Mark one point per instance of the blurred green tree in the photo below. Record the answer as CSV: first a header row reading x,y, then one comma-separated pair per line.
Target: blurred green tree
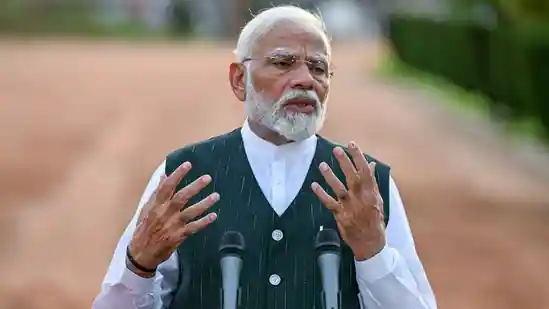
x,y
46,15
511,12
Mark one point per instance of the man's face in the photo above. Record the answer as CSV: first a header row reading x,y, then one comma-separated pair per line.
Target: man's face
x,y
287,81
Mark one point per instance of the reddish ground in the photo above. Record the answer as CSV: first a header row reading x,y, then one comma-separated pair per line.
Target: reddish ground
x,y
84,124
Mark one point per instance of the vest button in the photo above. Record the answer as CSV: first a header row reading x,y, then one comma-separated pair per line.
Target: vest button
x,y
277,235
274,279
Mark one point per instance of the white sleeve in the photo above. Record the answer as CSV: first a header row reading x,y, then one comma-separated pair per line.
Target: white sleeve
x,y
121,288
395,278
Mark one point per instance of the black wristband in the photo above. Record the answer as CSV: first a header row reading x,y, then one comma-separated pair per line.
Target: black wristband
x,y
137,265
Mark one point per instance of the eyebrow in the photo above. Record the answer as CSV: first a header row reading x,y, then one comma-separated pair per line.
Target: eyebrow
x,y
285,53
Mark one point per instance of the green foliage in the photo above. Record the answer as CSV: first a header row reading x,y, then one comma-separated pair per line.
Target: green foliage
x,y
508,65
180,18
80,17
514,11
45,16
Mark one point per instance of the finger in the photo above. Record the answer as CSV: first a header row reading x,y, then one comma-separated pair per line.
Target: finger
x,y
380,207
167,187
162,179
195,226
332,180
371,175
346,166
151,202
374,187
199,208
325,198
359,159
184,195
154,193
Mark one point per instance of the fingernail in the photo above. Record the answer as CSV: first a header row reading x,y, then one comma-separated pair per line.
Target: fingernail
x,y
338,151
206,178
212,216
214,197
315,186
323,167
187,165
352,145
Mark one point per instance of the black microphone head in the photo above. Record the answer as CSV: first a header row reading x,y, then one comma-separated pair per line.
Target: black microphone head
x,y
232,242
327,240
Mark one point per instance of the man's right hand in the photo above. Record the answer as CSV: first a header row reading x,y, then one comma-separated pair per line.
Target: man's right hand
x,y
163,224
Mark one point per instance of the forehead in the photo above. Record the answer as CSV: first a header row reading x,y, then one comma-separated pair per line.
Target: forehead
x,y
290,37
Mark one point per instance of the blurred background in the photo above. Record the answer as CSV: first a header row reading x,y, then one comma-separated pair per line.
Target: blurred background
x,y
454,94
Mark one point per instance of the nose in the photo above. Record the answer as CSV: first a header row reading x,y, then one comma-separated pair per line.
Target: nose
x,y
302,78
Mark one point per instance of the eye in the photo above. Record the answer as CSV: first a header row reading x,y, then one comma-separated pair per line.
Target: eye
x,y
283,63
317,68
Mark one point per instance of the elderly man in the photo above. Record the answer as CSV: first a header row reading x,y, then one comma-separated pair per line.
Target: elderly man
x,y
277,182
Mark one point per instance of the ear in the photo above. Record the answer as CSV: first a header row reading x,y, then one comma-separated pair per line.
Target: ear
x,y
237,80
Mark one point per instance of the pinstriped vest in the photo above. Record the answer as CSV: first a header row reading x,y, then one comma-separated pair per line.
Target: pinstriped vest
x,y
244,208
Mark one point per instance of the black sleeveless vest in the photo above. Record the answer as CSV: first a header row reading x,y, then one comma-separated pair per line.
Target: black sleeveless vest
x,y
244,208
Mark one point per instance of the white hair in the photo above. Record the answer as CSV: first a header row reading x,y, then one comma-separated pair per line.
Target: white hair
x,y
263,22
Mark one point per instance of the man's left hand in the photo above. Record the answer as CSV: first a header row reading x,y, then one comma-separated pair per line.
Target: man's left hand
x,y
357,208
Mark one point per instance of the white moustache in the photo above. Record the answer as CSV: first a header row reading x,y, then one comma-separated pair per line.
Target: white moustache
x,y
298,94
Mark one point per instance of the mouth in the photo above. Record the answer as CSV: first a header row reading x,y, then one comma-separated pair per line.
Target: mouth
x,y
300,105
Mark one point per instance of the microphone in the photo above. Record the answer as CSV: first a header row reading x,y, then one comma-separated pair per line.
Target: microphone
x,y
231,248
328,246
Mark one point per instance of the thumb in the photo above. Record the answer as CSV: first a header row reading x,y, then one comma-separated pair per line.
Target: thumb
x,y
148,204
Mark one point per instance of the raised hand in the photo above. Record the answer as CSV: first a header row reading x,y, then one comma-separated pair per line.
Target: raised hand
x,y
357,207
163,223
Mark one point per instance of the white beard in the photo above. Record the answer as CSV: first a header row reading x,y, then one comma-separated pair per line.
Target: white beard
x,y
294,126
